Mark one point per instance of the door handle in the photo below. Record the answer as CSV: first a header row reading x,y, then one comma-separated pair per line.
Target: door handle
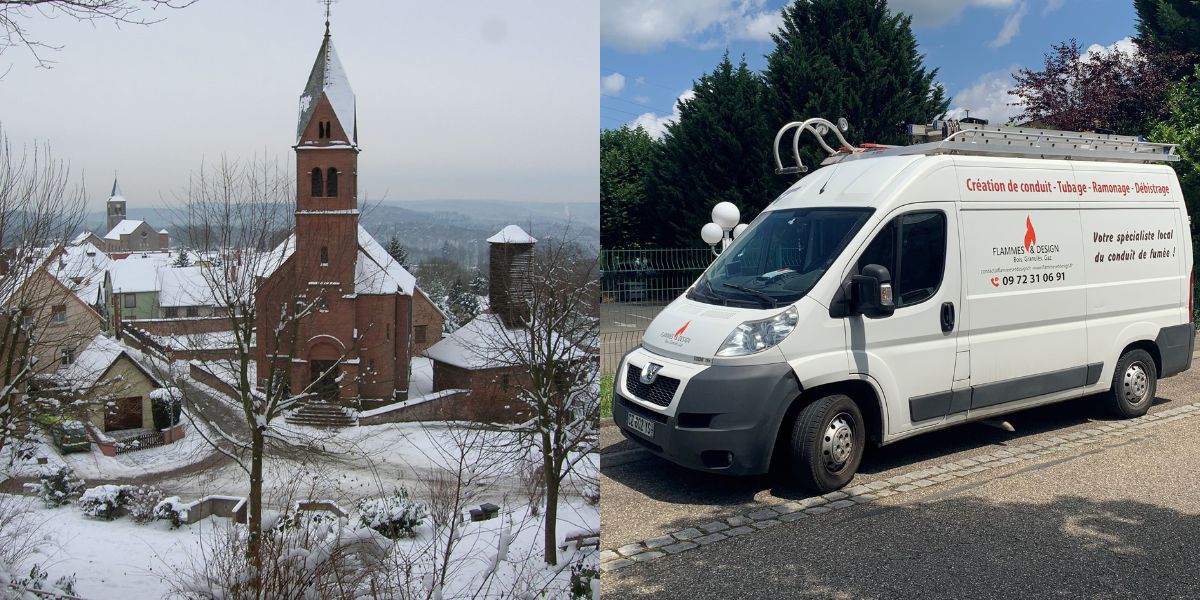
x,y
947,316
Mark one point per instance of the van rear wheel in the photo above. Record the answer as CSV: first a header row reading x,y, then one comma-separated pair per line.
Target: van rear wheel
x,y
1134,384
827,443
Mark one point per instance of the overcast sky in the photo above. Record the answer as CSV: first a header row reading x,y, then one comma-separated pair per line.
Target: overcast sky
x,y
464,99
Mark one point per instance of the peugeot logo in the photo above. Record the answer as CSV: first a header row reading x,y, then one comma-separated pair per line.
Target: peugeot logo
x,y
650,373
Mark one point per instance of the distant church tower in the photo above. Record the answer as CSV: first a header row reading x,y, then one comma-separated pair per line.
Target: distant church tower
x,y
116,206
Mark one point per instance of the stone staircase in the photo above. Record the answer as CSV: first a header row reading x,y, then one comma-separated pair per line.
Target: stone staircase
x,y
321,414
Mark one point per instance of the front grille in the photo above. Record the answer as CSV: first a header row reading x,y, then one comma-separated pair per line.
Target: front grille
x,y
661,392
638,409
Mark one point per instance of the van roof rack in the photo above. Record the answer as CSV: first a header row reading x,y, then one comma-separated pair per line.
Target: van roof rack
x,y
1026,142
980,139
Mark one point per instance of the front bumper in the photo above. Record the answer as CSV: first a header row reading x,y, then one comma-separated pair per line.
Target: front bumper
x,y
722,419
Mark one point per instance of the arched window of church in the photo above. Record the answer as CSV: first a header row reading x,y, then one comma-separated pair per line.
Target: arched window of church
x,y
317,185
324,255
331,183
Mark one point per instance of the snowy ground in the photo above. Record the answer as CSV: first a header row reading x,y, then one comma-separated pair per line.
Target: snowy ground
x,y
114,559
94,465
121,559
420,382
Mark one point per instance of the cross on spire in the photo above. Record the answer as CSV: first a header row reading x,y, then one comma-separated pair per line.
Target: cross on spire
x,y
327,4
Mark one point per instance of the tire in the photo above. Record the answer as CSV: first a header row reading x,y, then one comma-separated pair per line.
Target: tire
x,y
827,443
1134,384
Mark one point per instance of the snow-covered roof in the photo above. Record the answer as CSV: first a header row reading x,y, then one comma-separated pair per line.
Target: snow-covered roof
x,y
92,362
328,78
138,272
485,343
375,271
81,269
185,286
511,234
125,227
474,345
81,238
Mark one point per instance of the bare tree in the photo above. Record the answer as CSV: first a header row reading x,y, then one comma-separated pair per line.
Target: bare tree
x,y
16,14
553,348
39,208
236,212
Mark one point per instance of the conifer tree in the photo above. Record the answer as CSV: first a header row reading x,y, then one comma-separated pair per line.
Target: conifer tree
x,y
1168,26
398,251
464,305
719,150
854,59
479,284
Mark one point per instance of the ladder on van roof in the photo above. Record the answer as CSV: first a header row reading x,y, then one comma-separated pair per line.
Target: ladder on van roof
x,y
956,137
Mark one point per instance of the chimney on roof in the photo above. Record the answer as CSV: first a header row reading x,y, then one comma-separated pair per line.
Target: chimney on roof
x,y
509,285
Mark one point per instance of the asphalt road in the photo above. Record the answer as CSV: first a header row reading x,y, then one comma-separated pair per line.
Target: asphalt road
x,y
1114,519
629,316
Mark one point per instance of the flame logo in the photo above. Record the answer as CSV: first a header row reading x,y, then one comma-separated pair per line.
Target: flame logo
x,y
1030,234
682,329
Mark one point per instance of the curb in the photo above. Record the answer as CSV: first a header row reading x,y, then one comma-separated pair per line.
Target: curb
x,y
612,559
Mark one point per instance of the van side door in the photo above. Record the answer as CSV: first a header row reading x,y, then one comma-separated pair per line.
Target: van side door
x,y
910,354
1025,295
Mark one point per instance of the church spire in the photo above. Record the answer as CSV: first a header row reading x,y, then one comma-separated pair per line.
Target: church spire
x,y
328,80
116,196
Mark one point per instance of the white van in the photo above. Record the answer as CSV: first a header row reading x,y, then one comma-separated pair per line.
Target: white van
x,y
904,290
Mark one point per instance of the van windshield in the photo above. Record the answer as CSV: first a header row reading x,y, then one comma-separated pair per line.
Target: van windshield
x,y
780,257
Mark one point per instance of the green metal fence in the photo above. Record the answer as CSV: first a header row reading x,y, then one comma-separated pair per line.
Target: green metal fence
x,y
635,285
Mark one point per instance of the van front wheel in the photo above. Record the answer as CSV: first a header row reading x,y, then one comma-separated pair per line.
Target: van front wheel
x,y
1134,384
827,443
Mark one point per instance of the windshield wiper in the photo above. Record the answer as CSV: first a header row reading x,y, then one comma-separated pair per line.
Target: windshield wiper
x,y
710,294
770,301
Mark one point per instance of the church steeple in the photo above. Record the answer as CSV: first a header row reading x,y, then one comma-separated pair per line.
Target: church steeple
x,y
327,83
115,206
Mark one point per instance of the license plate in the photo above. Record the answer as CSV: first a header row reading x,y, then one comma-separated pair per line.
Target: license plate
x,y
640,424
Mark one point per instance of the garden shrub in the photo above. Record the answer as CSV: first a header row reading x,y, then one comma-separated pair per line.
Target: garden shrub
x,y
103,501
394,516
170,509
56,486
141,503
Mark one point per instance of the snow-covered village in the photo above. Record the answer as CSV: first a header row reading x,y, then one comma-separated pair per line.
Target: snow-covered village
x,y
246,384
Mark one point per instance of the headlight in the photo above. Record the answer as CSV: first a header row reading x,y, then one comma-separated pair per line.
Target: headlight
x,y
756,336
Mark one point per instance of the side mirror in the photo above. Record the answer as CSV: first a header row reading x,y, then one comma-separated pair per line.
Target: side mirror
x,y
871,292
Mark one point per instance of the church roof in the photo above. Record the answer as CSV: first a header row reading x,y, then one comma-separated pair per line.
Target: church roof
x,y
375,271
125,227
328,78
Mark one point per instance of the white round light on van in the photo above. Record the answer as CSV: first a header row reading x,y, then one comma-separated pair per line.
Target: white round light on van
x,y
711,234
726,215
755,336
739,229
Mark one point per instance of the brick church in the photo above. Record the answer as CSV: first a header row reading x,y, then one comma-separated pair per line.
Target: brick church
x,y
371,317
